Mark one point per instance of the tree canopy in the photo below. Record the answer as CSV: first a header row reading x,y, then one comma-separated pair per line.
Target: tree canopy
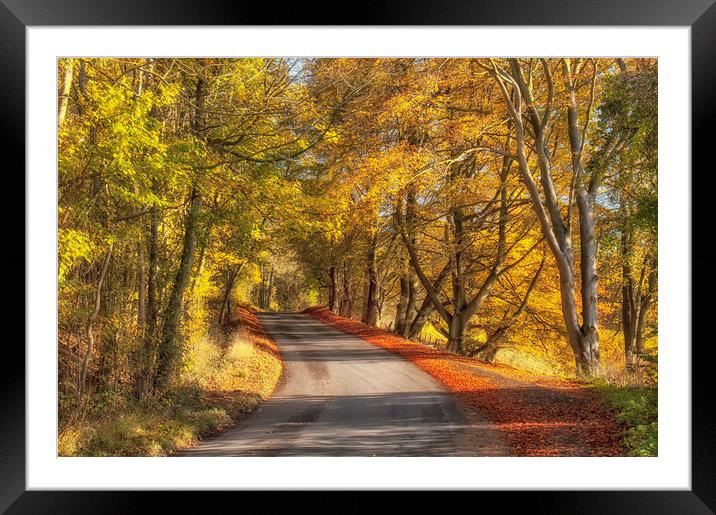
x,y
503,208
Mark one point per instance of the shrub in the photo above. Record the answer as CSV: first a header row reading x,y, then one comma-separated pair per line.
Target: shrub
x,y
219,382
637,412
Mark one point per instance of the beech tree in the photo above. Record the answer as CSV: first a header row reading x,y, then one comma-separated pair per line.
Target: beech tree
x,y
532,102
627,158
492,206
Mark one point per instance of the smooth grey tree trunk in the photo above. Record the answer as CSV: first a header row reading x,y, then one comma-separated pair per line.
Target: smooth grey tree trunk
x,y
583,337
64,94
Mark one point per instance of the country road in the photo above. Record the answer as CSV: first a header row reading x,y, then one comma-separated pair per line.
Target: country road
x,y
342,396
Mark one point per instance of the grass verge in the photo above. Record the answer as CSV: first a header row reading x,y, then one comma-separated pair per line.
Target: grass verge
x,y
219,385
637,412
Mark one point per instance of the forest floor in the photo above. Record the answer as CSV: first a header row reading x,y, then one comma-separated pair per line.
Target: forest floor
x,y
539,415
229,376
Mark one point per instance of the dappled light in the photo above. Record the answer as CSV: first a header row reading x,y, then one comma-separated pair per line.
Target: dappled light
x,y
488,226
541,417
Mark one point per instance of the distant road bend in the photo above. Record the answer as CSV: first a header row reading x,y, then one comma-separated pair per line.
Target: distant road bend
x,y
342,396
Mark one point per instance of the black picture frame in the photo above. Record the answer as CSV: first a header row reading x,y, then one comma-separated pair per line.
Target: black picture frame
x,y
700,15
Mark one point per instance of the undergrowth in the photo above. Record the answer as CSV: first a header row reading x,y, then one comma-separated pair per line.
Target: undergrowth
x,y
637,411
220,382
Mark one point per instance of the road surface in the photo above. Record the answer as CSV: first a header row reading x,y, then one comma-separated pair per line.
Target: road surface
x,y
341,396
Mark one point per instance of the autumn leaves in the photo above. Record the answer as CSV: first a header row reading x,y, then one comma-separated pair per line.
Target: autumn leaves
x,y
500,203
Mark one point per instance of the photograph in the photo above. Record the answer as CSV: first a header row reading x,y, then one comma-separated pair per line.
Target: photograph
x,y
368,256
428,247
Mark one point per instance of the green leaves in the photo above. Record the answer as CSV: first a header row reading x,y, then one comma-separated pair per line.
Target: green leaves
x,y
637,411
75,246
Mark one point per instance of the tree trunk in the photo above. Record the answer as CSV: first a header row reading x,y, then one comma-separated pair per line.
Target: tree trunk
x,y
346,308
141,290
380,302
224,311
399,326
636,301
270,288
169,351
416,326
590,284
427,307
145,377
153,285
410,219
456,333
371,309
262,288
583,364
64,94
456,323
332,288
646,302
88,328
589,330
410,308
202,256
629,315
584,338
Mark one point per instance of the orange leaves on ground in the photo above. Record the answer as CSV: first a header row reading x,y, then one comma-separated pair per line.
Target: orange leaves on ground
x,y
539,416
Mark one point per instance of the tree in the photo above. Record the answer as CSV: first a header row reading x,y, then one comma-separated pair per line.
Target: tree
x,y
538,109
503,206
627,158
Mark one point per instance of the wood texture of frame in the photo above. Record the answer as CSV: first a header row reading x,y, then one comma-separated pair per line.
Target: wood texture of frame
x,y
700,15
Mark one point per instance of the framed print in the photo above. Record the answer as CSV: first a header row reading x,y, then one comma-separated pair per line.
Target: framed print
x,y
444,247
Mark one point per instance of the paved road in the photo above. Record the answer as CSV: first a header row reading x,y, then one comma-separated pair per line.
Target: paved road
x,y
341,396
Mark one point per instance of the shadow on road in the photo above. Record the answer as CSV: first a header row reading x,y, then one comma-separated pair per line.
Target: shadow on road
x,y
394,424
